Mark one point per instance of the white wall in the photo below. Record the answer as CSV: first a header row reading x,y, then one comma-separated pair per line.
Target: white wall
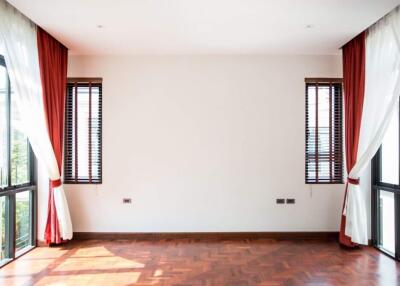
x,y
202,143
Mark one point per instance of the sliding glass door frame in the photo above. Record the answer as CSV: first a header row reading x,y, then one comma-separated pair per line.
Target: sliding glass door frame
x,y
10,222
376,186
10,191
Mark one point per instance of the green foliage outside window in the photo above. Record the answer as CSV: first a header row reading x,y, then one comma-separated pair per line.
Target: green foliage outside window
x,y
22,230
19,159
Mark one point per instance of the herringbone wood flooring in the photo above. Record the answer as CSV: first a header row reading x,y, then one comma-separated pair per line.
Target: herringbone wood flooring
x,y
202,262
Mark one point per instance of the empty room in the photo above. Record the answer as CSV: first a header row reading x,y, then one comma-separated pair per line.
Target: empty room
x,y
199,142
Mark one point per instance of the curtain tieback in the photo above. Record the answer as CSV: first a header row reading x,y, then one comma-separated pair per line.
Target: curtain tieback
x,y
55,183
353,181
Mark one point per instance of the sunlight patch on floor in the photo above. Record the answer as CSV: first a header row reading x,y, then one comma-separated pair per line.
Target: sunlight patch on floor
x,y
89,259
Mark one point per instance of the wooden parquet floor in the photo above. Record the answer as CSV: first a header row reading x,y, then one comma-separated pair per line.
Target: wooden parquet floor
x,y
184,262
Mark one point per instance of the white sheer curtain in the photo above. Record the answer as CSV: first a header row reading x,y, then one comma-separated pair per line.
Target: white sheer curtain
x,y
18,38
382,90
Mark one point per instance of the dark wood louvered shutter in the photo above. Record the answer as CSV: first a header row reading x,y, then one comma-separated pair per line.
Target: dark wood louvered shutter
x,y
83,131
324,131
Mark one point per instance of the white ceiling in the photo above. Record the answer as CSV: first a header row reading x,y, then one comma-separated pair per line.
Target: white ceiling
x,y
204,26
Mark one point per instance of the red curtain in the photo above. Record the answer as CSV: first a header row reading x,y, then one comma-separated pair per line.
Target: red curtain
x,y
354,83
53,57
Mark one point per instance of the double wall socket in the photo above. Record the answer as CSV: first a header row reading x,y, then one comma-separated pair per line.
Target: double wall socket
x,y
287,201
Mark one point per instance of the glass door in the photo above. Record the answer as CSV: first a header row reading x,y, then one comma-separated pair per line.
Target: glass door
x,y
17,178
386,192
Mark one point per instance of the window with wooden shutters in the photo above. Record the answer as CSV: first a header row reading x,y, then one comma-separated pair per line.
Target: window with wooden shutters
x,y
83,131
324,129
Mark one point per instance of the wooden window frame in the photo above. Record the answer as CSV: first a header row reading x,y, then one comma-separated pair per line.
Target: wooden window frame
x,y
335,154
71,175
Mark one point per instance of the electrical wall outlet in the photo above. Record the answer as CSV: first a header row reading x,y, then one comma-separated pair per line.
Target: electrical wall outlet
x,y
280,201
290,201
126,200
